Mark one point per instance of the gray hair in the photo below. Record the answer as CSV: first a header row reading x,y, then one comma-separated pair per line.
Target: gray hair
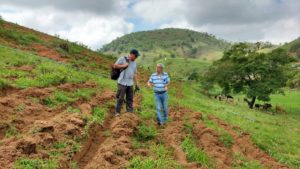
x,y
160,65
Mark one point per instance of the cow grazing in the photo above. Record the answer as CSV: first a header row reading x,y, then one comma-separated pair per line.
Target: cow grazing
x,y
258,106
280,110
267,106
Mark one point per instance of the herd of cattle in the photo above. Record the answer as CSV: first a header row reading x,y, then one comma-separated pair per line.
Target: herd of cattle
x,y
265,106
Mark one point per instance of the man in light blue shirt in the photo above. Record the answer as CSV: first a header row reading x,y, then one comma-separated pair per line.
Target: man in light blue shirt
x,y
127,77
160,81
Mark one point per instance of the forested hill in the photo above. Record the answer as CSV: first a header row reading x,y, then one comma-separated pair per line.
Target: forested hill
x,y
169,42
293,47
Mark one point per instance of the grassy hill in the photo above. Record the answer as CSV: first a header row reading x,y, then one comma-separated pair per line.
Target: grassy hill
x,y
293,47
57,104
169,42
54,48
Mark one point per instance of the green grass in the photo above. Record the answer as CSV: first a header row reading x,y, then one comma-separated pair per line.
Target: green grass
x,y
19,37
11,131
146,132
59,98
241,162
159,158
195,154
278,135
45,73
3,83
35,164
60,145
98,114
224,136
85,94
73,110
73,165
289,101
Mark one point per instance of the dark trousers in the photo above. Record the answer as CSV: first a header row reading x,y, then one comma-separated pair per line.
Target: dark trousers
x,y
122,91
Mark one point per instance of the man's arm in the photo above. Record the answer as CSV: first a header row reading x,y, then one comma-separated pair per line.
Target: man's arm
x,y
150,82
120,66
167,83
121,63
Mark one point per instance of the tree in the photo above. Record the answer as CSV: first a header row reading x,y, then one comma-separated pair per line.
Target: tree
x,y
244,70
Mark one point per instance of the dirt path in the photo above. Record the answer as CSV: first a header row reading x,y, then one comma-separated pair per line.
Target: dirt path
x,y
207,139
173,135
90,147
244,145
110,146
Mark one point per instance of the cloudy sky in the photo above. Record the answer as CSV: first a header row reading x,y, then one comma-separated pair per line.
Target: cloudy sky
x,y
97,22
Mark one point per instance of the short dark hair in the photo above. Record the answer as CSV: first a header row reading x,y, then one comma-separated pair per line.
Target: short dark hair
x,y
135,52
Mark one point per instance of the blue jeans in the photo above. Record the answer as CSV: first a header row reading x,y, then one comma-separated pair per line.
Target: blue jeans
x,y
161,101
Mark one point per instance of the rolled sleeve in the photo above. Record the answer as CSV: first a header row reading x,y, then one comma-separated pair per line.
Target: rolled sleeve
x,y
120,61
168,80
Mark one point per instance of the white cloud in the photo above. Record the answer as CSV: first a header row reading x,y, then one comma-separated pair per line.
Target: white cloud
x,y
88,28
156,10
244,20
97,22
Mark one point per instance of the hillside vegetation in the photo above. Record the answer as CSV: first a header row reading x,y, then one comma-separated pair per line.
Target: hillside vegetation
x,y
293,47
169,42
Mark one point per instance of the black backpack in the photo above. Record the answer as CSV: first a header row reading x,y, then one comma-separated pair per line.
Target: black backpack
x,y
115,73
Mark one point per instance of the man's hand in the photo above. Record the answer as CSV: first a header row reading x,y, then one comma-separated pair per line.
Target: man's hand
x,y
136,89
149,84
166,88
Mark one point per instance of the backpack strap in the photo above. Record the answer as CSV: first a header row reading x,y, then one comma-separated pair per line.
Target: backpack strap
x,y
127,60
